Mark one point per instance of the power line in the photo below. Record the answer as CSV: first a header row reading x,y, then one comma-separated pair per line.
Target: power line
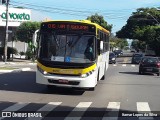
x,y
80,11
68,12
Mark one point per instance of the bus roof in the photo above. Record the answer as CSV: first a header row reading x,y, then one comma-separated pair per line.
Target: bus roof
x,y
80,21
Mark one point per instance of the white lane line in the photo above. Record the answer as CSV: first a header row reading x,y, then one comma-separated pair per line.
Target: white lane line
x,y
26,69
6,71
14,108
114,65
143,107
112,111
124,65
81,107
132,65
47,108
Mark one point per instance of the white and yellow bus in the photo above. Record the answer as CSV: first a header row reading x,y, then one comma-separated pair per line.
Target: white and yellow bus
x,y
72,53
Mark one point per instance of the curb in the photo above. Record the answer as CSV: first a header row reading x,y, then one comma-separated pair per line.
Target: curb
x,y
12,63
16,70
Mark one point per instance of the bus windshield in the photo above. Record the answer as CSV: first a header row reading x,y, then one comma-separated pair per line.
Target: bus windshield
x,y
67,48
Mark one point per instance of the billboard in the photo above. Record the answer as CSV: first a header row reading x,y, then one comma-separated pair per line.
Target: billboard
x,y
16,16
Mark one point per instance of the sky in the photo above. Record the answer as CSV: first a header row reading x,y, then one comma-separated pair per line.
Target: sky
x,y
115,12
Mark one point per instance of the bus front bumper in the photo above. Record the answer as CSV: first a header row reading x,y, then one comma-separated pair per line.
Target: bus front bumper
x,y
67,81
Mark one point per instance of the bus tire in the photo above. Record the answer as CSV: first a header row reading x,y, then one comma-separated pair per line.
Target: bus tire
x,y
98,76
103,77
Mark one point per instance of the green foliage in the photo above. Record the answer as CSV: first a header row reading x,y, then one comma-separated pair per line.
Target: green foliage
x,y
25,31
142,25
152,36
10,51
137,23
136,44
29,54
22,53
118,43
99,19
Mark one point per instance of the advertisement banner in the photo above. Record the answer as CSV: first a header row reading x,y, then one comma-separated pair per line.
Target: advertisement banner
x,y
15,17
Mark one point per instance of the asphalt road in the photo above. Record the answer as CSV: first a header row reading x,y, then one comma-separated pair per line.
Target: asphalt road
x,y
123,92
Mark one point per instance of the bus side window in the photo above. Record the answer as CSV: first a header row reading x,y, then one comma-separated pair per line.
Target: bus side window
x,y
98,46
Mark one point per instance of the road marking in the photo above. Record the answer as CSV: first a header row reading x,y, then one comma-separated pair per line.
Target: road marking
x,y
81,107
6,71
47,108
32,63
114,65
124,65
14,108
132,65
143,107
26,69
112,110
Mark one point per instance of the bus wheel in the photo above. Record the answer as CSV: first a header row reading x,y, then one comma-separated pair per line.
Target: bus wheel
x,y
103,77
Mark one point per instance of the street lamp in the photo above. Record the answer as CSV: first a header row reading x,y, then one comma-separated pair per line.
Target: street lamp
x,y
153,18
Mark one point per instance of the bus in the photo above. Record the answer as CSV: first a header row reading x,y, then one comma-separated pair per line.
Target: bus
x,y
73,53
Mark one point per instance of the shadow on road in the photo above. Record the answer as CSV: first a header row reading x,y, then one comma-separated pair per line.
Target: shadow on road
x,y
133,73
128,63
136,73
26,82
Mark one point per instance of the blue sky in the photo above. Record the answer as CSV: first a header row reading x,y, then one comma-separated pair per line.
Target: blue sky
x,y
115,12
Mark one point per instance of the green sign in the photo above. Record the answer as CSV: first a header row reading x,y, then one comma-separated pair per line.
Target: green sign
x,y
17,16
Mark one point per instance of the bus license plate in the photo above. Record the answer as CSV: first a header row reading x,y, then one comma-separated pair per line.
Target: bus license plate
x,y
63,81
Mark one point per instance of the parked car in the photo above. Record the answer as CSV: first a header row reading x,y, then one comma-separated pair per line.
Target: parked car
x,y
149,65
118,52
112,58
136,58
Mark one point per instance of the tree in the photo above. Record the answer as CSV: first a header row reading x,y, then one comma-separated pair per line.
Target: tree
x,y
117,43
152,36
137,23
142,25
99,20
25,31
136,44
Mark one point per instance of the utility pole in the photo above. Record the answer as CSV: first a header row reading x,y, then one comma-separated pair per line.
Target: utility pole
x,y
6,33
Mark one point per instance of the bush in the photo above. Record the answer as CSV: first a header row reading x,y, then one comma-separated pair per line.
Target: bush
x,y
22,53
10,50
28,54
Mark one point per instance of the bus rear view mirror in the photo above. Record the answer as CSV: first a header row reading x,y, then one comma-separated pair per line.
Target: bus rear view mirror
x,y
101,45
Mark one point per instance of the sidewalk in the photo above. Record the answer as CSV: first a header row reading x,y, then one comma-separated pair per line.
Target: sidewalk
x,y
14,66
17,62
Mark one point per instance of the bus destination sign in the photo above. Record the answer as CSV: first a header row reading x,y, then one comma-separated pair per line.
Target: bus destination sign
x,y
69,27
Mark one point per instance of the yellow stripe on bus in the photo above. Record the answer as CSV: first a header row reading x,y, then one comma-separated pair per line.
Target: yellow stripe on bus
x,y
66,71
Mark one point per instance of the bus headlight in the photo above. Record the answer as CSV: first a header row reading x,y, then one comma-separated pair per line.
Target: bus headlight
x,y
42,71
87,74
45,73
113,58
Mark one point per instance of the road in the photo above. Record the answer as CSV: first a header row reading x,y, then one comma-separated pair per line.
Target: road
x,y
123,92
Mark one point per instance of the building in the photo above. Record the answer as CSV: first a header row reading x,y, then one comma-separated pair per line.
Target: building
x,y
16,17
